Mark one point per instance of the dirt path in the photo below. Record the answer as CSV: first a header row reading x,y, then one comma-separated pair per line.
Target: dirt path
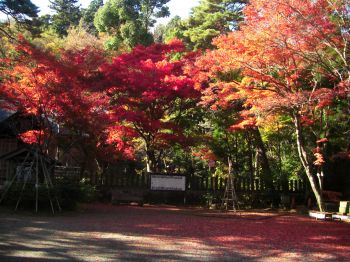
x,y
131,233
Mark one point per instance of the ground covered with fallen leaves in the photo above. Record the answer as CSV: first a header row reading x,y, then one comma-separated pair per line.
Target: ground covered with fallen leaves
x,y
102,232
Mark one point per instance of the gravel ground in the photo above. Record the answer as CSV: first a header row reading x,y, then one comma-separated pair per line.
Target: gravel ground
x,y
162,233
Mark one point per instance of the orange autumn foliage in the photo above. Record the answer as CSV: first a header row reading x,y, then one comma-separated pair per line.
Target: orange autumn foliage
x,y
33,137
278,49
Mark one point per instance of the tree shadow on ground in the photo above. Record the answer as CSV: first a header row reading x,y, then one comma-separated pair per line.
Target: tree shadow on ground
x,y
129,233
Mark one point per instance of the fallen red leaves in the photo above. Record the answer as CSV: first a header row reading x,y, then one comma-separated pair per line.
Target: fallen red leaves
x,y
251,234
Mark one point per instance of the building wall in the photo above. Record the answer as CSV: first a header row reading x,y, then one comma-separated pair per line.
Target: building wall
x,y
6,145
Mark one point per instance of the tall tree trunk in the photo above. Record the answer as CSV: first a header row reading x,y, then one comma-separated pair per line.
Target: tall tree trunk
x,y
151,162
265,166
251,161
256,163
307,164
99,171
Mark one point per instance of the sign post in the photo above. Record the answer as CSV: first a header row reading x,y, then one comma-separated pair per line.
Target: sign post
x,y
168,182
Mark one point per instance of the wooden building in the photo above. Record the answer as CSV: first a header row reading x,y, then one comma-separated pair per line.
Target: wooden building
x,y
11,124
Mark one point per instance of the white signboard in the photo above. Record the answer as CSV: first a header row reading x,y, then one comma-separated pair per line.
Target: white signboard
x,y
163,182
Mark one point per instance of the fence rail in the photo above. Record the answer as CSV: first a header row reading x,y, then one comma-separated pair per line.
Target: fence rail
x,y
208,184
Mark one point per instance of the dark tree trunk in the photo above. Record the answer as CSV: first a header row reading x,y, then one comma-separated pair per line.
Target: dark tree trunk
x,y
264,163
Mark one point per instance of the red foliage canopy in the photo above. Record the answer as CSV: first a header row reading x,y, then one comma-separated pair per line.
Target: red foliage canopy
x,y
149,90
60,90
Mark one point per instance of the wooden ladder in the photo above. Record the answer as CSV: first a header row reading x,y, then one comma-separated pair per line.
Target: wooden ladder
x,y
229,200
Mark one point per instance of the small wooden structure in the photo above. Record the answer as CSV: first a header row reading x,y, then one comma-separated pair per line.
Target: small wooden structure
x,y
29,167
11,124
229,200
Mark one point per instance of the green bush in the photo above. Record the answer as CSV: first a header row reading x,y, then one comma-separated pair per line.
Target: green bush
x,y
68,192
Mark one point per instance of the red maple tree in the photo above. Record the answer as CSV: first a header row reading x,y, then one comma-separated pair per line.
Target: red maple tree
x,y
149,91
61,92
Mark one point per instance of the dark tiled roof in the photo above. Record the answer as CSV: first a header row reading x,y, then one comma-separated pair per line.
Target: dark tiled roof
x,y
4,114
21,153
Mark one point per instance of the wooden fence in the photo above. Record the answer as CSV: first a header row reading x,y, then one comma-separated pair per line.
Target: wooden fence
x,y
207,184
62,173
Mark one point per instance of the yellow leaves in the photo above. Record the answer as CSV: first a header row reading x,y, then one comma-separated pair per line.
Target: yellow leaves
x,y
79,39
246,81
270,123
232,97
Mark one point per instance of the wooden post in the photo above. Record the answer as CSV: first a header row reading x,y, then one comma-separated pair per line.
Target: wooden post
x,y
45,173
36,181
24,184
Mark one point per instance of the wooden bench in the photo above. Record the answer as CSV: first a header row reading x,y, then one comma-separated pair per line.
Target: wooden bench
x,y
331,200
127,195
331,196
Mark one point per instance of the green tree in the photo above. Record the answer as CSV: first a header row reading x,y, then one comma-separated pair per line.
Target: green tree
x,y
128,21
39,25
19,10
152,9
212,18
67,14
22,12
89,15
175,29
